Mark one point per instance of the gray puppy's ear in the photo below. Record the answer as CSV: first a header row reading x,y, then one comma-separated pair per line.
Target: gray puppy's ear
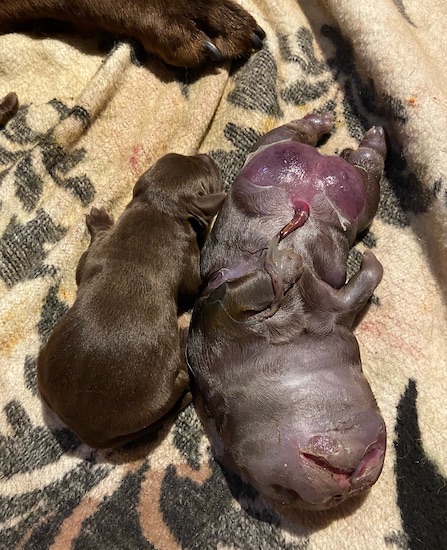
x,y
204,208
237,301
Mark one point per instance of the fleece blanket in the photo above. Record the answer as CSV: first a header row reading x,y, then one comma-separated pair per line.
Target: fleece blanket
x,y
93,117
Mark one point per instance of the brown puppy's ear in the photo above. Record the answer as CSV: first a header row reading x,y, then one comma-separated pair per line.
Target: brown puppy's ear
x,y
204,208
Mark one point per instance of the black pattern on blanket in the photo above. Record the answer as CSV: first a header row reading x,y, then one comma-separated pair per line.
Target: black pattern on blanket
x,y
88,126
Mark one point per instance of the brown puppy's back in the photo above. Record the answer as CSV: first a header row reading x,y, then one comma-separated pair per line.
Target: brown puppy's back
x,y
112,367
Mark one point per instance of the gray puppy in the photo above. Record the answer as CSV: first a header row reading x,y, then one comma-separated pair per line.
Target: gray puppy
x,y
112,368
277,372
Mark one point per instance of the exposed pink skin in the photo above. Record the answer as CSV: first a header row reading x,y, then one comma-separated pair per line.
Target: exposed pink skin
x,y
277,373
289,184
300,217
304,173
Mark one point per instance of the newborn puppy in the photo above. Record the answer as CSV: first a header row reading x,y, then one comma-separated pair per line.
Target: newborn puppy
x,y
184,33
112,368
276,369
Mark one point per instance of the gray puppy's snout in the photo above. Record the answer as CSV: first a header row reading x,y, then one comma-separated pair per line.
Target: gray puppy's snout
x,y
322,445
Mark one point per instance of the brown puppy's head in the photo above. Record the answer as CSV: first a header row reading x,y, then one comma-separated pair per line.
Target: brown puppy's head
x,y
192,184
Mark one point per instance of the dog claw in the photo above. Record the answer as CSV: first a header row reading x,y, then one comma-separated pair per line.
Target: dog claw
x,y
256,41
260,32
212,51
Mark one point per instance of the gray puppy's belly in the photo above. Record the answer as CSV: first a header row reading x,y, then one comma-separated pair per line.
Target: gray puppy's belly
x,y
276,366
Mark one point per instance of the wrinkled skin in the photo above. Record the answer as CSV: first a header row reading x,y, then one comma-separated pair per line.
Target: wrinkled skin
x,y
278,380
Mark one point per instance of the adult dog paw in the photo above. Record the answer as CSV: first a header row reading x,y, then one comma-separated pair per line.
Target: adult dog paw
x,y
189,33
185,33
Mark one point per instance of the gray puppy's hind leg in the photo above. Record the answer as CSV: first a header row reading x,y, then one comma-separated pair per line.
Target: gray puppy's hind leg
x,y
284,266
308,130
369,160
358,290
326,306
257,295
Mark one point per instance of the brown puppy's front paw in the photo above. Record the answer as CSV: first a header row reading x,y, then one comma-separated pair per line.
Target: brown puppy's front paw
x,y
187,34
98,220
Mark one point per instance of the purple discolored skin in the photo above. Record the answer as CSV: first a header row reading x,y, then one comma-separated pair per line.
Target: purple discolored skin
x,y
276,369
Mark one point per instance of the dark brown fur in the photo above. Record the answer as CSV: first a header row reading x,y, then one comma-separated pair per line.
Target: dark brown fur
x,y
8,107
182,33
112,368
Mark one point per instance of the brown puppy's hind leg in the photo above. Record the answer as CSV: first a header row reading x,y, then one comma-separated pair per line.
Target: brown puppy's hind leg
x,y
98,220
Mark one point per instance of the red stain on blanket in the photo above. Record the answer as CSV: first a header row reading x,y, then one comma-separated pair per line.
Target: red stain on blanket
x,y
402,339
138,160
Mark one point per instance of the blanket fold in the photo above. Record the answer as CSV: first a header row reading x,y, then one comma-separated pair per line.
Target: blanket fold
x,y
89,123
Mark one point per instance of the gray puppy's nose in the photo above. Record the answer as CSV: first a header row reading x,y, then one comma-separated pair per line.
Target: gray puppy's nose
x,y
351,473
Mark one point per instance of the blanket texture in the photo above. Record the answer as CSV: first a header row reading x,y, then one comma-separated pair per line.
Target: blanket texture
x,y
92,118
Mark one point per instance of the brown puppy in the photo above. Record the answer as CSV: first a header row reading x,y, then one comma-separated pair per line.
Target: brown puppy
x,y
184,33
112,368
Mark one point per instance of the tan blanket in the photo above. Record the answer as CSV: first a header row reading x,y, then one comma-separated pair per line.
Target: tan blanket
x,y
89,124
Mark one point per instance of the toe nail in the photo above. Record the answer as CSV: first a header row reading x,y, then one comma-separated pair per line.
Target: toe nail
x,y
260,32
212,51
256,41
